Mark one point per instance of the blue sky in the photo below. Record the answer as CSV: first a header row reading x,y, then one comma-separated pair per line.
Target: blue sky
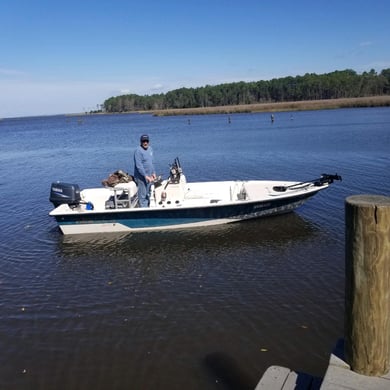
x,y
69,56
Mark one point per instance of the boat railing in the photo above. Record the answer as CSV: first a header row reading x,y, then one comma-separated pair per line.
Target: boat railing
x,y
123,196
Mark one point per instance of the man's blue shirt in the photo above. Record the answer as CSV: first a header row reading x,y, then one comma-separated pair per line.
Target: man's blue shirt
x,y
143,162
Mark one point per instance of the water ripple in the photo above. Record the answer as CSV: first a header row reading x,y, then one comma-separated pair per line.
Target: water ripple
x,y
171,309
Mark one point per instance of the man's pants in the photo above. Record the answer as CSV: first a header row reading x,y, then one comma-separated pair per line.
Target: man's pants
x,y
143,193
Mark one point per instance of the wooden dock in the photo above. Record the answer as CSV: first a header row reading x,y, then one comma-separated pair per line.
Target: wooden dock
x,y
338,376
360,361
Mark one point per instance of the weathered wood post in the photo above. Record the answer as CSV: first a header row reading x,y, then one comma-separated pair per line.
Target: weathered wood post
x,y
367,298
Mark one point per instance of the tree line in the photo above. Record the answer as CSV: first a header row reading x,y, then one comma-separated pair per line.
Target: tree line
x,y
334,85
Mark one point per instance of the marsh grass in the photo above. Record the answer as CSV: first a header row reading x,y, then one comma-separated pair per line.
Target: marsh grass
x,y
373,101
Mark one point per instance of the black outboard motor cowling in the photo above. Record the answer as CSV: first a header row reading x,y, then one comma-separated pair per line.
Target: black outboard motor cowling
x,y
61,193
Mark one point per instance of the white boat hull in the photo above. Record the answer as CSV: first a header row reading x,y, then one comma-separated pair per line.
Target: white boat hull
x,y
176,203
185,210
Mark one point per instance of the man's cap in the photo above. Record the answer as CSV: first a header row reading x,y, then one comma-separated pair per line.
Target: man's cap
x,y
144,137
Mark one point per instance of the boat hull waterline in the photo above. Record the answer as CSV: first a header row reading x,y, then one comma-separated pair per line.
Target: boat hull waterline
x,y
177,204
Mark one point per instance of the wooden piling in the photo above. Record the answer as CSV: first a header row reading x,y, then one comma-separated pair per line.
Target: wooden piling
x,y
367,284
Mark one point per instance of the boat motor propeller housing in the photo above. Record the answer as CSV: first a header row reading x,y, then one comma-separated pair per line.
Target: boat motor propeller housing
x,y
61,193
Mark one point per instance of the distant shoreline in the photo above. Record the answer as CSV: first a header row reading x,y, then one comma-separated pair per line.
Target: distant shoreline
x,y
306,105
372,101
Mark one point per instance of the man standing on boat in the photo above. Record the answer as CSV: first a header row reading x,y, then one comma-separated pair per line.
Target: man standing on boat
x,y
144,173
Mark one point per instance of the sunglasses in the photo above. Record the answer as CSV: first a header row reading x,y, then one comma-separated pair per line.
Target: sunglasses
x,y
145,142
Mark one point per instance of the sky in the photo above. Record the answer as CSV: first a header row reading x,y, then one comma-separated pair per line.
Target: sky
x,y
59,57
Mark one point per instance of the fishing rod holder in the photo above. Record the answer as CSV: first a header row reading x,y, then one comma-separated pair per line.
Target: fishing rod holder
x,y
175,171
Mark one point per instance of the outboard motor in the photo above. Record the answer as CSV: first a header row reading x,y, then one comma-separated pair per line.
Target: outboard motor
x,y
61,193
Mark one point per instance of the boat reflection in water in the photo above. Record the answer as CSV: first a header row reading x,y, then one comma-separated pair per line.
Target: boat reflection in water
x,y
268,232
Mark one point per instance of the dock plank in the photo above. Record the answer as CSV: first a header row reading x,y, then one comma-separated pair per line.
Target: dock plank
x,y
282,378
275,378
339,376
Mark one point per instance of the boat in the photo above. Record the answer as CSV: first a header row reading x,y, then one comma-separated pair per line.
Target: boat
x,y
176,203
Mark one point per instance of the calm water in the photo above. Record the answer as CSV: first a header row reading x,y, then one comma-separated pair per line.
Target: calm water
x,y
203,309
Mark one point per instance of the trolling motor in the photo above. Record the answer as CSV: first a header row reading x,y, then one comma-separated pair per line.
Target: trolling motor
x,y
323,179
